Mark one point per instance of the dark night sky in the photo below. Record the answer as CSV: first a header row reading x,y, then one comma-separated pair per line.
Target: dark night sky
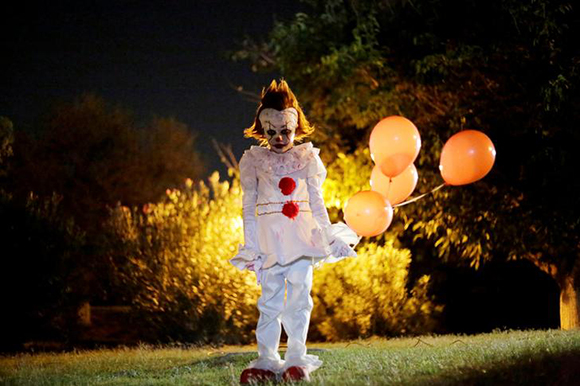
x,y
164,58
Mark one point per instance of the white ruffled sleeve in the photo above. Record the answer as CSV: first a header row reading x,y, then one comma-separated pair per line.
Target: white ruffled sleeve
x,y
340,238
249,255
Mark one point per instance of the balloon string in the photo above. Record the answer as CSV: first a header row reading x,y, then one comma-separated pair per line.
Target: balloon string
x,y
420,197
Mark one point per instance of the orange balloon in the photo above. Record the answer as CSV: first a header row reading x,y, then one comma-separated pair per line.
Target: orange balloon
x,y
394,143
466,157
395,189
368,213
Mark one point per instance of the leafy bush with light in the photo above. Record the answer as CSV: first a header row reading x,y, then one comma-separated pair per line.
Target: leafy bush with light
x,y
368,295
173,256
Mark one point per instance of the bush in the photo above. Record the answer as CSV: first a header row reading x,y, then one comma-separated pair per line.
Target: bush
x,y
347,174
371,294
368,295
172,257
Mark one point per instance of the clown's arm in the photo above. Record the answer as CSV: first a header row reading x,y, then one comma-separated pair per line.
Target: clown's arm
x,y
338,245
249,254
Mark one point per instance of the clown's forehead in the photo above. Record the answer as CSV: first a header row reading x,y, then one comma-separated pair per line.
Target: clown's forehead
x,y
287,118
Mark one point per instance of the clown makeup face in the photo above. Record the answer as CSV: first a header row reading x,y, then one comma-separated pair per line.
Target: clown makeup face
x,y
279,128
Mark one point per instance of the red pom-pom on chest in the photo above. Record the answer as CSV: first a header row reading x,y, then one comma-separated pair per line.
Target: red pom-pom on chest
x,y
287,185
290,209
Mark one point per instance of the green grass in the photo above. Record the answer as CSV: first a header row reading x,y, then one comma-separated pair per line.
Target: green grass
x,y
503,358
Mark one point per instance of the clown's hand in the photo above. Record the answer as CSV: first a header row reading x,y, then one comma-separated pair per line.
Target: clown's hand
x,y
341,249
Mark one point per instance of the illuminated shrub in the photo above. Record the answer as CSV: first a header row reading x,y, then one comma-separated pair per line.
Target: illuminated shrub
x,y
172,259
368,295
174,256
347,174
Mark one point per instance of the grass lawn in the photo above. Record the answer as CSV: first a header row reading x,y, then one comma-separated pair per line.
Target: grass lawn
x,y
503,358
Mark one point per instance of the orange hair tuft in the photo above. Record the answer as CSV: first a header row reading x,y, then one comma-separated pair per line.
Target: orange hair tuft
x,y
278,96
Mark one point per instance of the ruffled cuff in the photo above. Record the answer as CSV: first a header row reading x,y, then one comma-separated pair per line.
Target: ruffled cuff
x,y
341,242
244,257
248,259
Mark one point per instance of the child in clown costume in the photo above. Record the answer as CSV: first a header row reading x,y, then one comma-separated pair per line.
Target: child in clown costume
x,y
286,231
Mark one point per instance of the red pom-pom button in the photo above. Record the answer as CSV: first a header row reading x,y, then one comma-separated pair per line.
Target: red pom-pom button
x,y
290,209
287,185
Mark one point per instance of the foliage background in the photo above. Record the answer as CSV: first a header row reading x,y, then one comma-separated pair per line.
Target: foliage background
x,y
168,259
173,257
93,207
507,68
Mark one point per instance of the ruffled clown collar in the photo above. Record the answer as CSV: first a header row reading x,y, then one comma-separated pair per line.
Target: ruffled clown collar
x,y
280,164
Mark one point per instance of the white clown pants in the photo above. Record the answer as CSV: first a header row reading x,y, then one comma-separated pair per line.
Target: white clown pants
x,y
294,314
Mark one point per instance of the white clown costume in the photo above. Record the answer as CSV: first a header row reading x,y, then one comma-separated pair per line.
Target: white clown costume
x,y
287,230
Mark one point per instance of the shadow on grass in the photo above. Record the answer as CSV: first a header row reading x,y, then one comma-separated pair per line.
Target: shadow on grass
x,y
196,366
562,369
232,358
